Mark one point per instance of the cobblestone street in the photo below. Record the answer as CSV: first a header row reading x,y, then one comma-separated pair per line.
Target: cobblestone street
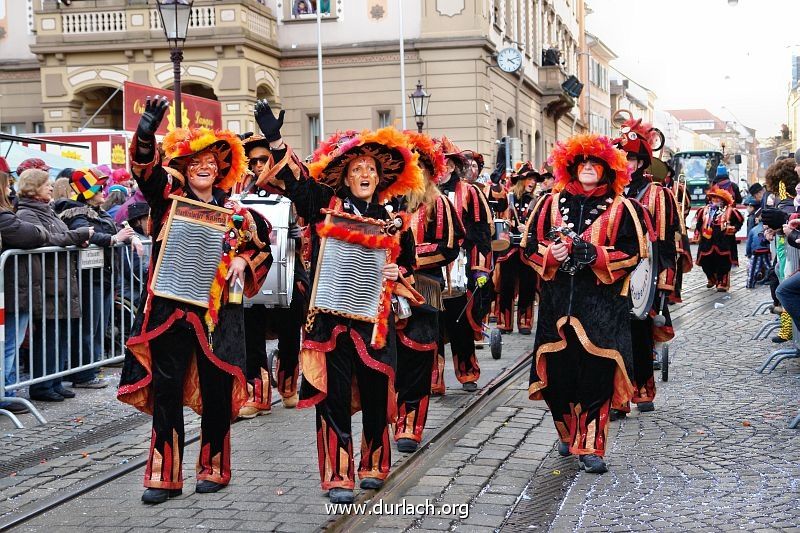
x,y
715,455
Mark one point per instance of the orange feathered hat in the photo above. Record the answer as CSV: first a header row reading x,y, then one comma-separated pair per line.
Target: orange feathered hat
x,y
720,193
399,171
226,146
430,154
577,148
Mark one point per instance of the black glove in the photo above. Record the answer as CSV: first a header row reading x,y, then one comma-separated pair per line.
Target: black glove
x,y
774,218
295,231
584,253
246,135
266,120
154,110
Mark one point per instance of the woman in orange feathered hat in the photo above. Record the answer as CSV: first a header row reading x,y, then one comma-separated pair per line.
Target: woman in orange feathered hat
x,y
348,363
715,232
171,359
583,241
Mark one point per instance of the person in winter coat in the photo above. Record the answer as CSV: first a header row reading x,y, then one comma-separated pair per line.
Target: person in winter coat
x,y
52,325
14,233
83,209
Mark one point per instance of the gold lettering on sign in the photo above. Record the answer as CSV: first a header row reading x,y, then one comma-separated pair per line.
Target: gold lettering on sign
x,y
202,121
138,107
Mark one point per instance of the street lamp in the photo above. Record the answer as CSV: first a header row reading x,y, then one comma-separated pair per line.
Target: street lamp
x,y
419,101
175,16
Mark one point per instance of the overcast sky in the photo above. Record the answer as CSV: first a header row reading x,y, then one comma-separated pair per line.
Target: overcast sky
x,y
705,54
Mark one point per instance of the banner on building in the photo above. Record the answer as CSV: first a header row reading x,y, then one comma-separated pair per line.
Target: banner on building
x,y
196,111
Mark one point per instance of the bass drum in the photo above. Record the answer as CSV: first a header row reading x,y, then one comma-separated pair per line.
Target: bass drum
x,y
277,288
644,284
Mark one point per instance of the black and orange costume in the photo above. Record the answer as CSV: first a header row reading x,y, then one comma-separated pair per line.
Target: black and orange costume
x,y
582,351
437,235
684,261
269,323
717,252
172,359
459,327
514,279
639,140
344,368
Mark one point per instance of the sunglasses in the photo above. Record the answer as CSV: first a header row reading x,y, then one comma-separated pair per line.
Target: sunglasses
x,y
256,160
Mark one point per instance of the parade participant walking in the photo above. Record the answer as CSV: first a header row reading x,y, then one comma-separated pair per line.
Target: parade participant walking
x,y
715,233
683,252
582,352
723,181
262,323
515,279
438,235
173,359
462,319
638,140
348,363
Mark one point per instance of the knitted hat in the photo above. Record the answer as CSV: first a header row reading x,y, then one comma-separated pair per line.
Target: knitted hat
x,y
117,187
86,182
181,144
137,210
119,175
398,168
722,171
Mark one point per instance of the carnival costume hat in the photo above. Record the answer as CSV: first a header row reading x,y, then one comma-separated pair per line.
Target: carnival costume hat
x,y
475,156
119,175
397,164
637,137
568,154
4,165
430,154
524,171
87,182
451,151
181,144
255,141
720,193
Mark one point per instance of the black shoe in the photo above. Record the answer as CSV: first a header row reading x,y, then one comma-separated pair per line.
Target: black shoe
x,y
645,407
340,495
406,445
778,339
49,396
205,487
563,449
156,496
66,393
15,408
371,483
470,386
593,464
524,331
616,414
656,365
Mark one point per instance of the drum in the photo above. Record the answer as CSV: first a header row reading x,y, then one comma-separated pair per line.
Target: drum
x,y
502,237
277,288
644,284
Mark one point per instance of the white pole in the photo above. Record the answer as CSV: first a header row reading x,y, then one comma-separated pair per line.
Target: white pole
x,y
319,75
402,65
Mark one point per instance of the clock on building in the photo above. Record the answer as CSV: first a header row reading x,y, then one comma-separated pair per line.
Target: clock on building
x,y
509,59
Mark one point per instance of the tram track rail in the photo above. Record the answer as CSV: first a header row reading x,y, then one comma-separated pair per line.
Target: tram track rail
x,y
407,474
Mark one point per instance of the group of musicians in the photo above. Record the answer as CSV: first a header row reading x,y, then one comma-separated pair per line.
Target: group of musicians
x,y
450,247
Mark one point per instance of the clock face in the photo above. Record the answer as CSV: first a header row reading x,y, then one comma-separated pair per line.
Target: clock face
x,y
509,59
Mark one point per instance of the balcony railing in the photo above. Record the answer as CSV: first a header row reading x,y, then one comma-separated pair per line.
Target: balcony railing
x,y
201,17
94,22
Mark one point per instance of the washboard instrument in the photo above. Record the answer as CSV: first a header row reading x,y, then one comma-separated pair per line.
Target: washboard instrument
x,y
349,281
191,251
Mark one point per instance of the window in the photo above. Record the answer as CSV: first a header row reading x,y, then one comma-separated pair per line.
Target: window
x,y
13,128
301,8
313,132
38,127
384,119
598,75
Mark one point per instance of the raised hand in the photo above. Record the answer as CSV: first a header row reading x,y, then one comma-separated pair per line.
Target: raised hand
x,y
154,110
270,124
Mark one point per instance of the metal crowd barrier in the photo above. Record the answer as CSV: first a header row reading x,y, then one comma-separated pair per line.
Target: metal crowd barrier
x,y
107,292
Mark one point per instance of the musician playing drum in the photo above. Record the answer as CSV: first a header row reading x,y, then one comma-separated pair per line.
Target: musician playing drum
x,y
462,319
638,140
280,323
438,236
582,350
513,278
351,173
172,358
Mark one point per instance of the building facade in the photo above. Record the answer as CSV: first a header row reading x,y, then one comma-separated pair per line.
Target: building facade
x,y
20,85
238,51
